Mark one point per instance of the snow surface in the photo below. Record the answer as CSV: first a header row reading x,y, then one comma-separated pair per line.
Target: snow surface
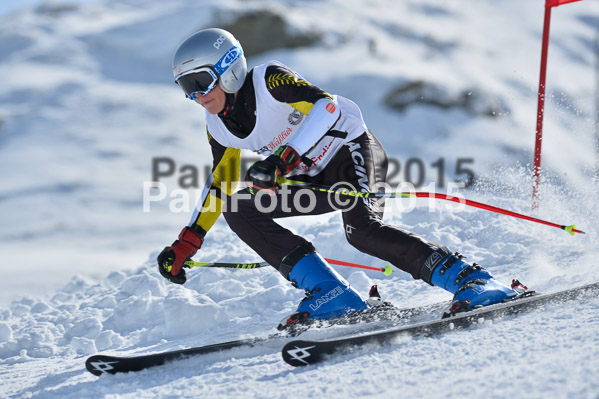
x,y
87,101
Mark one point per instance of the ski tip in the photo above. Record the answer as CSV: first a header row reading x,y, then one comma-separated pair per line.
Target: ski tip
x,y
388,269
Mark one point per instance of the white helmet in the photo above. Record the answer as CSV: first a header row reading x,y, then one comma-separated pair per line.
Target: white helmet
x,y
207,57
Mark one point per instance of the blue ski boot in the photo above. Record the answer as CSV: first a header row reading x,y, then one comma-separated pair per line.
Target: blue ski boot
x,y
472,285
328,295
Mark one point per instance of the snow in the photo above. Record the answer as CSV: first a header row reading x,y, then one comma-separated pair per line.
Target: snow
x,y
87,101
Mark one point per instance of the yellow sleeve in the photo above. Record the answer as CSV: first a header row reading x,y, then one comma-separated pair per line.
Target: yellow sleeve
x,y
222,181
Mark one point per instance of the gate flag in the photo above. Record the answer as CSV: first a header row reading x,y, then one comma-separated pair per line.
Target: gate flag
x,y
555,3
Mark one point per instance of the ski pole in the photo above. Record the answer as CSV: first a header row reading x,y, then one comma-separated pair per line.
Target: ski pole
x,y
225,265
316,187
387,270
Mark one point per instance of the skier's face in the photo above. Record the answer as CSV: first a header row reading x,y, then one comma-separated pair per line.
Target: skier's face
x,y
213,102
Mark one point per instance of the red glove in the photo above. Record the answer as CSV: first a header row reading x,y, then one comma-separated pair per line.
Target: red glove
x,y
171,259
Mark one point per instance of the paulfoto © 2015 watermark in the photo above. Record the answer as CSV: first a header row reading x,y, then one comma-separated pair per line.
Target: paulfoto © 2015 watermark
x,y
414,171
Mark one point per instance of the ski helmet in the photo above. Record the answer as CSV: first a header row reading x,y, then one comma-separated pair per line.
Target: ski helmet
x,y
206,58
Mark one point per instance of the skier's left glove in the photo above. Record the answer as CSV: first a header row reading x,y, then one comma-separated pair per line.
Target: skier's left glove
x,y
263,175
171,259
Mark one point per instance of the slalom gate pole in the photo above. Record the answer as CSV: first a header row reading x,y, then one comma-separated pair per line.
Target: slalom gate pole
x,y
387,270
536,178
541,99
316,187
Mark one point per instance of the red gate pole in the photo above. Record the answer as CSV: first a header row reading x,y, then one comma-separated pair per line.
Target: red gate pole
x,y
541,100
541,108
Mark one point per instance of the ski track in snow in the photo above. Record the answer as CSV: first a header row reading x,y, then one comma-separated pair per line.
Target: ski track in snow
x,y
80,122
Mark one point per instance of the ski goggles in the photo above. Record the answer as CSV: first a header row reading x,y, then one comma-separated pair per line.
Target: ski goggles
x,y
203,79
198,81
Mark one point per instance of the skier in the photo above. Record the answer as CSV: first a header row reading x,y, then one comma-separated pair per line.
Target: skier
x,y
315,137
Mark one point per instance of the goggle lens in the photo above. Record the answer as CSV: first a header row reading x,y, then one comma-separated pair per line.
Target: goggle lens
x,y
198,81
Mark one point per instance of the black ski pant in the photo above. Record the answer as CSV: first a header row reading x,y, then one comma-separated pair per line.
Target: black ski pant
x,y
361,163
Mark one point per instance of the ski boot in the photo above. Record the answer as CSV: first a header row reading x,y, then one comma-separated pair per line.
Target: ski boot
x,y
328,295
473,286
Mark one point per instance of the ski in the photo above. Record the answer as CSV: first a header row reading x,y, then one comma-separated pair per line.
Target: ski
x,y
108,364
304,352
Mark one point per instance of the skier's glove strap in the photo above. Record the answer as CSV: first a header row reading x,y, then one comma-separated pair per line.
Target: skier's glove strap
x,y
171,259
263,175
